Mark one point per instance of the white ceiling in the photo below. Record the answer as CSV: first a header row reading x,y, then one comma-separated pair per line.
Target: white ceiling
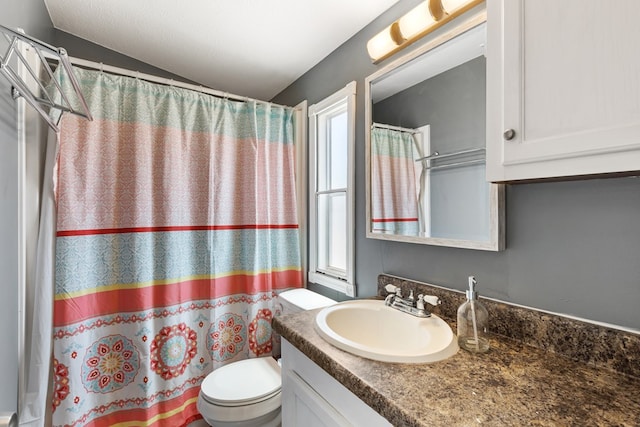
x,y
253,48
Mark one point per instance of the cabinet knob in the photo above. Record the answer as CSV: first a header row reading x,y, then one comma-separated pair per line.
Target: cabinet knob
x,y
509,134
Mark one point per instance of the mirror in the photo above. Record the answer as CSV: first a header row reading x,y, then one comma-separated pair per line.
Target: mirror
x,y
426,121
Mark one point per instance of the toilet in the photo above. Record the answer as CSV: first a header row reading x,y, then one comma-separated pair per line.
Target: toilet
x,y
248,393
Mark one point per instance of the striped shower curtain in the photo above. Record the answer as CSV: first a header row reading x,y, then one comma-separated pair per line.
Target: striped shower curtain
x,y
394,197
176,228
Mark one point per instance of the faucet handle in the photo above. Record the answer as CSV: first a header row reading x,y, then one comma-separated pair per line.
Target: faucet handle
x,y
394,289
391,288
431,299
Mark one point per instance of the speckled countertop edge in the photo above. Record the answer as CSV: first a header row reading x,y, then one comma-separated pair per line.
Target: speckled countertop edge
x,y
514,384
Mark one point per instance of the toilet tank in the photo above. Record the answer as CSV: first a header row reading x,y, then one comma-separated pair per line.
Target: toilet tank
x,y
302,299
294,301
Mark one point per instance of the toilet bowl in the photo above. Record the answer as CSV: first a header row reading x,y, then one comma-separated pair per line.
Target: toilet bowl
x,y
245,393
248,393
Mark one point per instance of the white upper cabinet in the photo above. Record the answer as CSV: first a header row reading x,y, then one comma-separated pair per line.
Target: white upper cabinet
x,y
563,88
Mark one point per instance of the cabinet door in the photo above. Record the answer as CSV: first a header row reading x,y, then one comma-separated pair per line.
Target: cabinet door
x,y
303,406
564,76
313,398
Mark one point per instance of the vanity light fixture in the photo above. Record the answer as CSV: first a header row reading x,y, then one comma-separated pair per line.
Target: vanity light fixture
x,y
418,22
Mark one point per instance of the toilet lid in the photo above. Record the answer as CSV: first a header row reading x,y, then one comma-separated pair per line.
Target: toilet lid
x,y
245,382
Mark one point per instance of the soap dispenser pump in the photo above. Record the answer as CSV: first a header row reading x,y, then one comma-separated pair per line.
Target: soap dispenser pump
x,y
472,322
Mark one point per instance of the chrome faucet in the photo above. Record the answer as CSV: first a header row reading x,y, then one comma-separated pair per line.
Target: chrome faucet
x,y
409,305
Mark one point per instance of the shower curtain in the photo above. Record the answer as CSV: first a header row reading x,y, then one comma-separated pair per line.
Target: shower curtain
x,y
394,197
176,228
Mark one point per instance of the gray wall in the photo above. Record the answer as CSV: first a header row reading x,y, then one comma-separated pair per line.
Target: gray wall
x,y
85,49
572,247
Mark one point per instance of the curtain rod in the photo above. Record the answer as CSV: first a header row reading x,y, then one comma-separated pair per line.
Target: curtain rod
x,y
168,82
390,127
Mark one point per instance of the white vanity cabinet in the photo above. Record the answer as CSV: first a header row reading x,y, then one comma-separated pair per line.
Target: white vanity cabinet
x,y
313,398
563,88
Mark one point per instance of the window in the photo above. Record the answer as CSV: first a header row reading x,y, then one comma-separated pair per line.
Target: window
x,y
331,182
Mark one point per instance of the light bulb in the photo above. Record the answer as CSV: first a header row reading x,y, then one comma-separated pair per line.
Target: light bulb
x,y
416,21
381,44
451,6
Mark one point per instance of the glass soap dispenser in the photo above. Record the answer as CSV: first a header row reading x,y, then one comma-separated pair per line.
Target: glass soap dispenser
x,y
472,322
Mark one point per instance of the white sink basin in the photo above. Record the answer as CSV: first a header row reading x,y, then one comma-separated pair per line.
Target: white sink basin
x,y
368,328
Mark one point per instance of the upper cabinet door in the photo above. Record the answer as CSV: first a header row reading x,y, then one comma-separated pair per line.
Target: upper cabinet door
x,y
563,88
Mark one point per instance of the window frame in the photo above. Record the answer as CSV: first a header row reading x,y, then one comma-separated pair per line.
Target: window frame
x,y
344,98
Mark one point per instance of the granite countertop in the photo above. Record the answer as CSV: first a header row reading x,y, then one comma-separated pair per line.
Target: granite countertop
x,y
512,385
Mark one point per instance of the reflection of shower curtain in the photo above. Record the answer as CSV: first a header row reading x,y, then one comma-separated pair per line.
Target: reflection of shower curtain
x,y
177,226
393,182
